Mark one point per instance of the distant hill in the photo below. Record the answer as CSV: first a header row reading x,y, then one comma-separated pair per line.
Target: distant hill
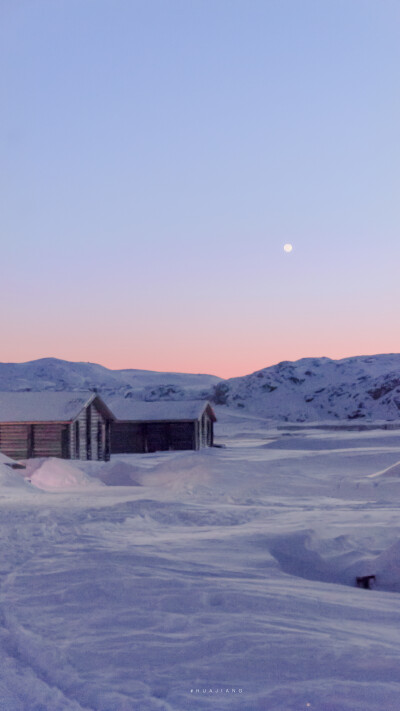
x,y
55,374
315,389
307,390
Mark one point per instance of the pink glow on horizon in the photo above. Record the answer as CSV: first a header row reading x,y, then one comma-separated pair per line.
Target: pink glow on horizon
x,y
241,363
150,189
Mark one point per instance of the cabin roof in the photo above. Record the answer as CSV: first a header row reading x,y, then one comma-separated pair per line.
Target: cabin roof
x,y
128,410
47,406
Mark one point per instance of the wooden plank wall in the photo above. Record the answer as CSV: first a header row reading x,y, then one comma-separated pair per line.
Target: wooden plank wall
x,y
47,439
96,418
14,440
136,437
21,441
82,437
206,431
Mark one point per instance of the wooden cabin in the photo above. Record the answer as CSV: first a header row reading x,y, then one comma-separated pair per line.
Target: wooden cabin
x,y
160,426
69,425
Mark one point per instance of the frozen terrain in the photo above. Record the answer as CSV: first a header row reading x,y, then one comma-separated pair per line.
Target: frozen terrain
x,y
55,374
213,580
360,389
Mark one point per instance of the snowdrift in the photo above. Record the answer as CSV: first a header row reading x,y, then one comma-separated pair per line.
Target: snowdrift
x,y
52,474
10,477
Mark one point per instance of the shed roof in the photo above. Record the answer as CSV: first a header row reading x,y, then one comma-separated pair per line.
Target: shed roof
x,y
46,406
128,410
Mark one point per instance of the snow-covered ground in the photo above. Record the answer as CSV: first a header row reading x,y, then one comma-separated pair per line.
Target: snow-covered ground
x,y
213,580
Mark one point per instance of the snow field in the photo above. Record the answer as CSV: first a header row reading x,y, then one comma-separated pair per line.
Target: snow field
x,y
218,580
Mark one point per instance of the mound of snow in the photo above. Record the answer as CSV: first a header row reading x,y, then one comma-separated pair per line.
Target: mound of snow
x,y
119,473
183,472
8,475
54,474
386,567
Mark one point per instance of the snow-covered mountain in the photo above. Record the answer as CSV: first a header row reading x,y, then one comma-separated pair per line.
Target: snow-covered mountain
x,y
310,389
55,374
315,389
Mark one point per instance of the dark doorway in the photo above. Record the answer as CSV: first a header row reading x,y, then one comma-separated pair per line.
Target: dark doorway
x,y
65,443
99,440
77,440
88,433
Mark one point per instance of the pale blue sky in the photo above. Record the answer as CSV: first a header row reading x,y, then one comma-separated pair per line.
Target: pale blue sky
x,y
157,155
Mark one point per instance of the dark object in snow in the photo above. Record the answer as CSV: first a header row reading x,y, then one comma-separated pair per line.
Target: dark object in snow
x,y
364,581
161,426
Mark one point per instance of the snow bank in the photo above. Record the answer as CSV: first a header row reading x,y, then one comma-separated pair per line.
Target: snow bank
x,y
386,567
306,554
54,474
184,472
10,477
118,473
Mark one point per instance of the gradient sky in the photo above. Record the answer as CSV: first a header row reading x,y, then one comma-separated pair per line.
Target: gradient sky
x,y
156,155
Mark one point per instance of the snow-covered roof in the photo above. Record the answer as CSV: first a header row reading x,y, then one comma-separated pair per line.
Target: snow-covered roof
x,y
139,411
45,406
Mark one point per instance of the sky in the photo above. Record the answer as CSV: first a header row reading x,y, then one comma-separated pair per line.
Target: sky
x,y
156,155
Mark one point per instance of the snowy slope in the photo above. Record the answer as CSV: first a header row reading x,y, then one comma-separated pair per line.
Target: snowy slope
x,y
356,389
222,580
54,374
315,389
10,477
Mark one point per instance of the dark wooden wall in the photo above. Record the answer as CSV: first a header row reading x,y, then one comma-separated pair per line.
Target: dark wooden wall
x,y
22,441
135,437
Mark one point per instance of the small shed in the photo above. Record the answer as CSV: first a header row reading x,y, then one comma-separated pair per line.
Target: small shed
x,y
70,425
160,426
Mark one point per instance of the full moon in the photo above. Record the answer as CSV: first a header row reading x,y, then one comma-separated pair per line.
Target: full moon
x,y
288,247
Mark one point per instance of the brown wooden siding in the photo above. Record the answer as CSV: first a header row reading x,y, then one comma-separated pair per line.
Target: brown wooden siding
x,y
50,440
97,419
14,440
22,441
82,437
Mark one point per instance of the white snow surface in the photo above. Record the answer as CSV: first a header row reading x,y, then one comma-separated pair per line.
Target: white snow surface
x,y
39,407
211,580
9,477
128,409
